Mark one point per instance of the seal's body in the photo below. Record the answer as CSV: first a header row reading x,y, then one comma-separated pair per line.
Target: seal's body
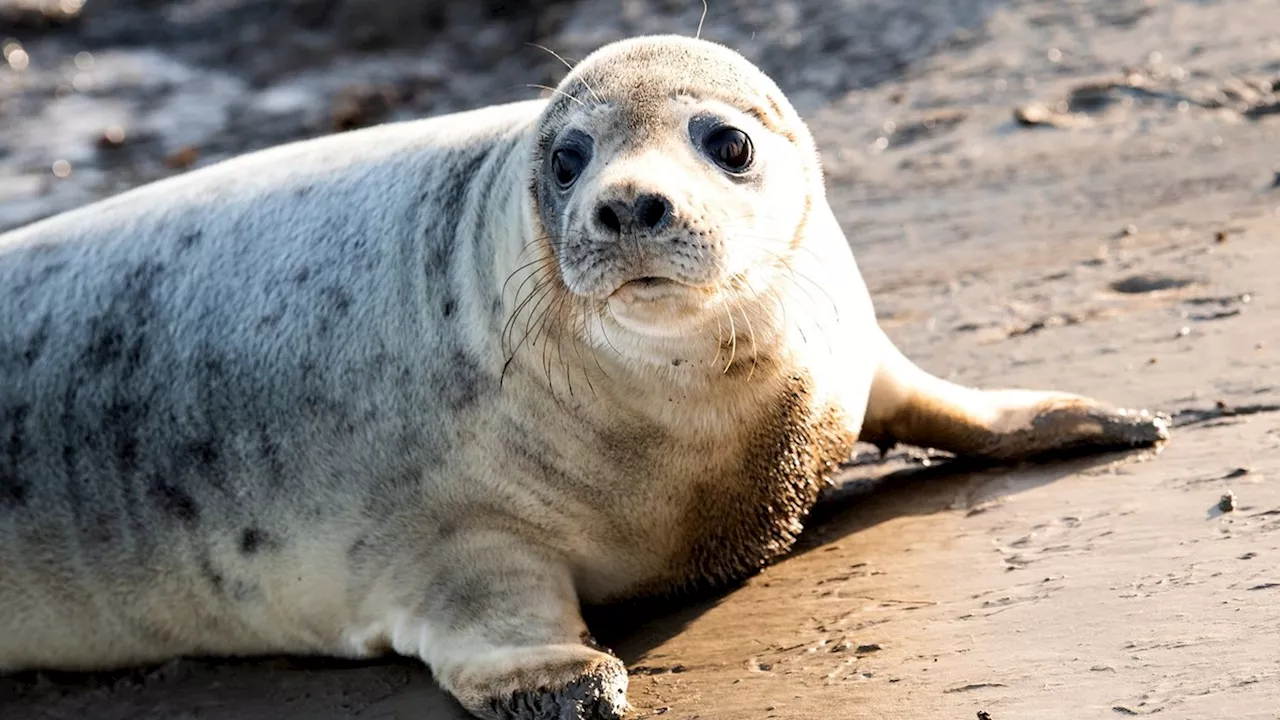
x,y
427,386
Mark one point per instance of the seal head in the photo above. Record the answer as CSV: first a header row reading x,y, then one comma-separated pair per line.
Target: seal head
x,y
672,181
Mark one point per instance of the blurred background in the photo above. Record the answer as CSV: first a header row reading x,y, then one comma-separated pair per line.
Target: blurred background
x,y
98,95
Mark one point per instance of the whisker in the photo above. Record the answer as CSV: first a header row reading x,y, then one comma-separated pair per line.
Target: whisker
x,y
559,317
786,263
509,331
553,54
557,91
581,330
719,340
566,63
535,315
605,332
733,341
751,337
536,297
542,320
534,266
546,360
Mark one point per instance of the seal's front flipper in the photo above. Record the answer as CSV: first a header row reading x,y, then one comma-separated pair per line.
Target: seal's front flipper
x,y
496,618
911,406
570,682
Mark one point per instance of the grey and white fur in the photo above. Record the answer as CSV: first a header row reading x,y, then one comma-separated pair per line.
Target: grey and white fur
x,y
405,389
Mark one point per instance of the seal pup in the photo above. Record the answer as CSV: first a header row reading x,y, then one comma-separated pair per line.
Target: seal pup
x,y
427,387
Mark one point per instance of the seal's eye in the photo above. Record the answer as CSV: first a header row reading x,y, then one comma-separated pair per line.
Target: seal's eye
x,y
566,164
731,148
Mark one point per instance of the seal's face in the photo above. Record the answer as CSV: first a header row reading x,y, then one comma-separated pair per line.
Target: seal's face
x,y
673,182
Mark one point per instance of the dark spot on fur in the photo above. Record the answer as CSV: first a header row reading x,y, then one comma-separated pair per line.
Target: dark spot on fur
x,y
253,539
450,306
361,551
302,191
133,356
127,453
139,283
120,332
438,260
188,240
205,452
74,434
106,347
211,574
302,276
36,343
465,382
404,378
52,269
13,490
214,365
380,364
15,421
120,420
69,459
487,187
270,320
339,298
174,501
312,402
442,227
205,456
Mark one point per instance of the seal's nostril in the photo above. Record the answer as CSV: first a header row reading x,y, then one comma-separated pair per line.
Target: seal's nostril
x,y
652,210
646,213
609,218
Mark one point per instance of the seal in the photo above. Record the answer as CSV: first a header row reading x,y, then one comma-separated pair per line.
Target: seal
x,y
429,387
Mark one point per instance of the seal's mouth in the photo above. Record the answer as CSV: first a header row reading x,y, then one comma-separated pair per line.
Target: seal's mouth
x,y
661,306
651,281
652,288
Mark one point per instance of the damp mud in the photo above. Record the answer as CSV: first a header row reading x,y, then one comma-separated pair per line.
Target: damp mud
x,y
1125,245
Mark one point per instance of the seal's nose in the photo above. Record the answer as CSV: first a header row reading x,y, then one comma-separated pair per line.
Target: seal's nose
x,y
648,213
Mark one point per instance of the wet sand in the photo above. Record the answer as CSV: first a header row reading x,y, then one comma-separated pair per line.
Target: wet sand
x,y
1128,250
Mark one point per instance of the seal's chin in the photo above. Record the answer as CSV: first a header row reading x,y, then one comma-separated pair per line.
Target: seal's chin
x,y
659,306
